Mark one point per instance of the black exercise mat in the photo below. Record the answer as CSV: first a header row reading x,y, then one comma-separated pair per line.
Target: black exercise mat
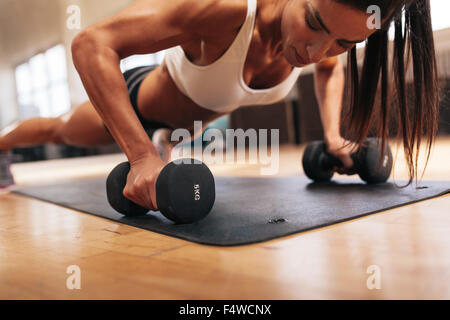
x,y
249,210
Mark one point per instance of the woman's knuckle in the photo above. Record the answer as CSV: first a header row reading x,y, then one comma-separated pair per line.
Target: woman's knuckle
x,y
127,193
148,179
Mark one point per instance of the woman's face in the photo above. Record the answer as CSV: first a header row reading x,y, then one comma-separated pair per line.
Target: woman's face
x,y
319,29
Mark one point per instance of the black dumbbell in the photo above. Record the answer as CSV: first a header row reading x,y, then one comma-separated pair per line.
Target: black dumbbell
x,y
185,191
369,163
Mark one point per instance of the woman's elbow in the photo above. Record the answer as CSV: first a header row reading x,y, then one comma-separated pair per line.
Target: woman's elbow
x,y
80,46
90,46
85,46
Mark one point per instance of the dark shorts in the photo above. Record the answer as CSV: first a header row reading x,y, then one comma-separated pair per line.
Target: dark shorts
x,y
134,78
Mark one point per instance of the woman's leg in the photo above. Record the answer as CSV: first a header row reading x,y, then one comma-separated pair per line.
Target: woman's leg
x,y
81,126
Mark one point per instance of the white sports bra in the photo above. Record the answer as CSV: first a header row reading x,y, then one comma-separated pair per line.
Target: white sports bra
x,y
220,86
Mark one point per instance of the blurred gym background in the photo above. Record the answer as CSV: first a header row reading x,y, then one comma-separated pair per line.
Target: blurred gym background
x,y
37,77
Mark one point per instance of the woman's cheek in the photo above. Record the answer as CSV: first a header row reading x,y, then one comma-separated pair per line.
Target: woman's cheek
x,y
293,23
295,30
303,31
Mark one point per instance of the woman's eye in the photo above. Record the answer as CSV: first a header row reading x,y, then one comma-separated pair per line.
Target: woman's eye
x,y
310,23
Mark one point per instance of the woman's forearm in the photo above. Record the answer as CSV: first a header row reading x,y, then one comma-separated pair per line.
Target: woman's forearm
x,y
329,84
99,70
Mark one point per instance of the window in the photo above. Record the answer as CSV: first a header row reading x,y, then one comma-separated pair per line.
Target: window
x,y
439,14
142,60
42,89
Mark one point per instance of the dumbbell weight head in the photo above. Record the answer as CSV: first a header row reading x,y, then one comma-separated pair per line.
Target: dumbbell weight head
x,y
372,165
185,191
315,162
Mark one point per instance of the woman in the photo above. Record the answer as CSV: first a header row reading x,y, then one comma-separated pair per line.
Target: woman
x,y
231,53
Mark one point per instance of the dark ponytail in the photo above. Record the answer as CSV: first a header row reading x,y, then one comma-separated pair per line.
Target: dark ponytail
x,y
413,115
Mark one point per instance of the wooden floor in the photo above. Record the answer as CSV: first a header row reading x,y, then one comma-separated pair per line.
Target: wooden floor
x,y
38,241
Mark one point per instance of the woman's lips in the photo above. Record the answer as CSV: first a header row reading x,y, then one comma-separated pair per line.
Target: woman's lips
x,y
300,60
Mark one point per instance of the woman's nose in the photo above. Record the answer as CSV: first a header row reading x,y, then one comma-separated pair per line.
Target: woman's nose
x,y
318,50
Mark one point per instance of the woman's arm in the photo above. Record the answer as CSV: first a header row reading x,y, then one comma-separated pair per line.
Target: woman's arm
x,y
329,84
146,26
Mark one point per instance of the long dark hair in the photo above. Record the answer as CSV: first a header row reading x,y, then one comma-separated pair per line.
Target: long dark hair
x,y
414,116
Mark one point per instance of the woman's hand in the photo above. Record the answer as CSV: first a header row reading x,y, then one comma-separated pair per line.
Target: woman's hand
x,y
141,181
341,149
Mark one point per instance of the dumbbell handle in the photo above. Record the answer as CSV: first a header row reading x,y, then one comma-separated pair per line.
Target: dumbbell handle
x,y
328,162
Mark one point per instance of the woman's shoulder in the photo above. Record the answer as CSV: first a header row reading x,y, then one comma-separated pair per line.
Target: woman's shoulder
x,y
211,17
